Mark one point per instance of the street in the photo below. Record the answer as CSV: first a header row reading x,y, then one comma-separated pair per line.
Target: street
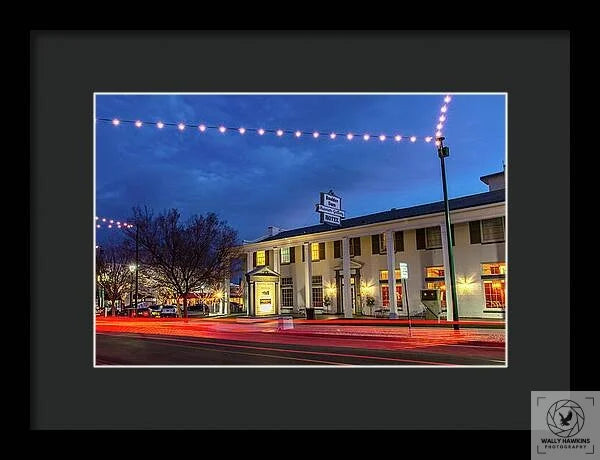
x,y
236,342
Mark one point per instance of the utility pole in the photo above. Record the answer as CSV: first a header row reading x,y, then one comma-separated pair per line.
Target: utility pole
x,y
442,153
137,262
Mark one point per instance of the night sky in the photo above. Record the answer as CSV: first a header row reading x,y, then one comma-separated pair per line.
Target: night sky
x,y
255,181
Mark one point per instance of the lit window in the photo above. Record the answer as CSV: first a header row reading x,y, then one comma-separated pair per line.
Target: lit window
x,y
260,258
385,296
495,293
383,275
492,230
435,272
285,255
433,237
441,285
494,268
314,251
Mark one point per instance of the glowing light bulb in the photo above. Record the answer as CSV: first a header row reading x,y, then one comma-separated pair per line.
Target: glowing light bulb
x,y
160,125
439,126
438,134
428,139
111,221
332,135
103,219
438,143
443,109
261,131
97,218
138,123
366,137
202,128
125,223
280,132
222,129
442,118
97,225
298,134
116,122
315,134
397,137
118,223
242,130
110,226
180,126
413,138
382,138
447,99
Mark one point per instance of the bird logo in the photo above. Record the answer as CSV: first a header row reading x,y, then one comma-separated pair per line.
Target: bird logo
x,y
565,421
565,418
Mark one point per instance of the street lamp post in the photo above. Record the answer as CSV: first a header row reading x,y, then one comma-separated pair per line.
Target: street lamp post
x,y
137,261
442,153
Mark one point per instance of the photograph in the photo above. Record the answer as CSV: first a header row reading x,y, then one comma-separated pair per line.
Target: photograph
x,y
300,229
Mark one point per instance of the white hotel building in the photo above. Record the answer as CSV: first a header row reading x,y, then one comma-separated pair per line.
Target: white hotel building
x,y
345,269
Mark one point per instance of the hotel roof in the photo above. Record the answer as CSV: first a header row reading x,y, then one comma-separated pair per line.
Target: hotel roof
x,y
480,199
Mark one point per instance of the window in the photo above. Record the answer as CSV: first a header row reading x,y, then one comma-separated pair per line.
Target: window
x,y
285,255
433,237
317,297
441,285
495,293
317,280
383,275
385,296
314,251
382,244
492,230
435,272
287,292
260,258
494,268
354,244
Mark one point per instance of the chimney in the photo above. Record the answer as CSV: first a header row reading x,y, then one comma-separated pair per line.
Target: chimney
x,y
271,231
494,181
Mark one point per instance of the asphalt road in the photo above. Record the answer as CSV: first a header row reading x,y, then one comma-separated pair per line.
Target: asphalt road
x,y
140,349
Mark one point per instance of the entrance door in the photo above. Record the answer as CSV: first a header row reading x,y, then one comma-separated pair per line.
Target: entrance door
x,y
340,294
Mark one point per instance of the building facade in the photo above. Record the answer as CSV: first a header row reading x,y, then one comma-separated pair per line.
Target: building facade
x,y
346,269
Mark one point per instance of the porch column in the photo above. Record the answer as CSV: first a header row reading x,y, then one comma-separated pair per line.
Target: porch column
x,y
276,267
247,292
347,293
307,275
447,281
391,266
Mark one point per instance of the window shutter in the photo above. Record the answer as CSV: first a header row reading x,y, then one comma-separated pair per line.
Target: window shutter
x,y
302,250
475,232
292,254
337,249
267,257
375,244
452,234
357,246
254,260
398,241
421,238
321,251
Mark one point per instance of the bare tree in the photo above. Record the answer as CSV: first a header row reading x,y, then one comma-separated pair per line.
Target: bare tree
x,y
185,256
112,270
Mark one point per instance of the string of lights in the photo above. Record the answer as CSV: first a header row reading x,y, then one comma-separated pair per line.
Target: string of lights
x,y
442,118
280,132
105,222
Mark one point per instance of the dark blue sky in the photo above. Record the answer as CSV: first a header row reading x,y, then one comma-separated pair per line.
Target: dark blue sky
x,y
255,181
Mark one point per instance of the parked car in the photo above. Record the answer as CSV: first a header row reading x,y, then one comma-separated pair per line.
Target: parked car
x,y
168,311
155,311
152,311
